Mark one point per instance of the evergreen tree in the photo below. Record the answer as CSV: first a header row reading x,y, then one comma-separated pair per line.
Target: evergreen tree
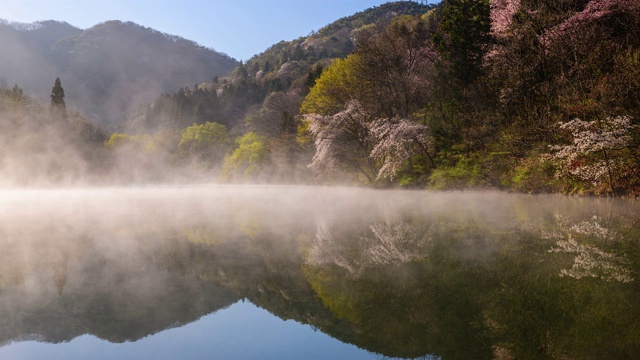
x,y
17,95
57,95
463,36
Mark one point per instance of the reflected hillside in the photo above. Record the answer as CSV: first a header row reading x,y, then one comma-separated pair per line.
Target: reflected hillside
x,y
401,274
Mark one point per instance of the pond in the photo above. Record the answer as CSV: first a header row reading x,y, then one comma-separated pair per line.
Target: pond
x,y
287,272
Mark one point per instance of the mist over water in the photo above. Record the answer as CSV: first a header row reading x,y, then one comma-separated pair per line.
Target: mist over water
x,y
106,244
449,274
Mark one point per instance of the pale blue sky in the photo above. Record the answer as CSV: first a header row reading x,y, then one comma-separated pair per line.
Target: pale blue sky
x,y
239,28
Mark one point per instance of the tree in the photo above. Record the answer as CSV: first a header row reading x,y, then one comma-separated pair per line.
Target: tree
x,y
397,62
389,72
602,152
57,96
343,143
338,84
313,75
207,142
248,160
462,38
502,12
402,145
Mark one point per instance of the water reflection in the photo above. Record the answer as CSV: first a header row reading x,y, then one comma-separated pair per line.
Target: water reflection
x,y
400,274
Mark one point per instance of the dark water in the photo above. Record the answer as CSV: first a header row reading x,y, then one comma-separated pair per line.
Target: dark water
x,y
300,272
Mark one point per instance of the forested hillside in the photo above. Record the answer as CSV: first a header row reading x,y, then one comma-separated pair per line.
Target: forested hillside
x,y
109,69
535,96
518,95
46,144
523,95
259,102
287,69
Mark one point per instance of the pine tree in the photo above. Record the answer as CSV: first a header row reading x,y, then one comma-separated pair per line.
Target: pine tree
x,y
57,96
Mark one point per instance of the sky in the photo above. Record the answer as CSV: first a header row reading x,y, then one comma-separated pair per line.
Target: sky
x,y
238,28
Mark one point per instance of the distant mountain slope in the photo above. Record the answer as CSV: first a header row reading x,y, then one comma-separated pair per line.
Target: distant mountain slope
x,y
107,70
268,89
336,40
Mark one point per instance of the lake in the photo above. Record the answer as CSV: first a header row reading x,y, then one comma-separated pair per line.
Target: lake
x,y
290,272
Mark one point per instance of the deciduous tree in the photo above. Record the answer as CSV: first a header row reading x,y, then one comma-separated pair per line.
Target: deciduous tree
x,y
248,161
343,143
402,144
600,152
206,143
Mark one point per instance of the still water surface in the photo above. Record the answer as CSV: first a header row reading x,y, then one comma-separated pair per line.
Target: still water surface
x,y
272,272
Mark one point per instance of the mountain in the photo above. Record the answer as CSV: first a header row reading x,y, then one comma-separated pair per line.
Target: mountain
x,y
268,89
107,70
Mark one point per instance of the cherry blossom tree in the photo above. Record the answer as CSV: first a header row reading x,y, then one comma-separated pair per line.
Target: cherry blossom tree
x,y
502,12
343,143
598,152
589,39
595,11
401,142
352,140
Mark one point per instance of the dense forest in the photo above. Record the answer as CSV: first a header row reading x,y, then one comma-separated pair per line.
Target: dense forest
x,y
518,95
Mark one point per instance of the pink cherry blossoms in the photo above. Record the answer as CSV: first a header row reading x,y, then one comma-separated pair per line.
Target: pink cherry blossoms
x,y
342,141
502,12
350,140
594,11
398,141
595,152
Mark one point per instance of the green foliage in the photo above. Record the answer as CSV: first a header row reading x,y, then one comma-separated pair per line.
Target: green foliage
x,y
463,35
207,142
534,174
248,160
303,134
57,94
117,140
57,98
13,99
337,85
142,142
314,75
465,173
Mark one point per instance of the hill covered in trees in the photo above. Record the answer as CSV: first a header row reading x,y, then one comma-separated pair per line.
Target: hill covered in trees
x,y
525,95
519,95
285,70
532,96
259,102
108,69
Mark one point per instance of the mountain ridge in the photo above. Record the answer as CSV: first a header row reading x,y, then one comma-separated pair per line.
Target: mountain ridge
x,y
285,70
108,69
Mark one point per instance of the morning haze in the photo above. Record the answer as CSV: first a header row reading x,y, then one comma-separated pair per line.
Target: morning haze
x,y
124,265
413,180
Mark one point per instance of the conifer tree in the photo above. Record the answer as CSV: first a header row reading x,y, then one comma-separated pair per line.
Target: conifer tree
x,y
461,40
57,96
